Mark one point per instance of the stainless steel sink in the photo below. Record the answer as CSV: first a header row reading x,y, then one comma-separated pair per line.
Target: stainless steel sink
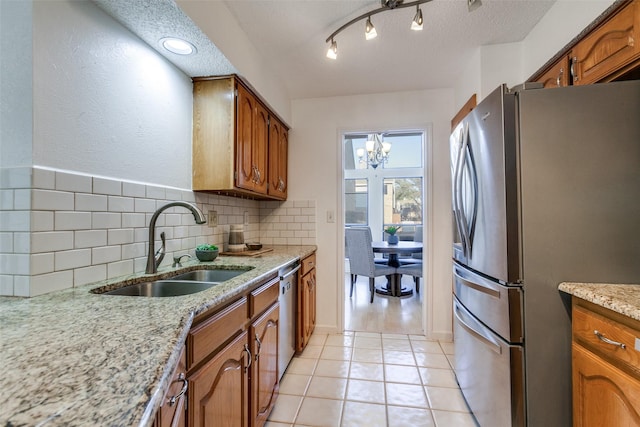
x,y
162,288
217,275
182,284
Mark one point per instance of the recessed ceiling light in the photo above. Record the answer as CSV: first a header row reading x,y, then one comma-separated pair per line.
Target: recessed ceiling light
x,y
178,46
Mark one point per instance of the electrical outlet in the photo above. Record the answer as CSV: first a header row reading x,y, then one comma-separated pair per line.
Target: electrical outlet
x,y
213,219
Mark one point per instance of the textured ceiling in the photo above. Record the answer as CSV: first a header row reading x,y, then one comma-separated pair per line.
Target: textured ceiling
x,y
291,36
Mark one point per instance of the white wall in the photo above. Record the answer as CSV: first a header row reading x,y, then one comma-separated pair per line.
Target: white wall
x,y
315,172
217,22
105,103
514,63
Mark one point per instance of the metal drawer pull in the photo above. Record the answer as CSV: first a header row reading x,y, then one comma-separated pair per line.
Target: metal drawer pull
x,y
185,385
608,341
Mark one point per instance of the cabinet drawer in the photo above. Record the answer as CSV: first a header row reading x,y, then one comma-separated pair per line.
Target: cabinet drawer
x,y
263,297
308,264
209,335
592,329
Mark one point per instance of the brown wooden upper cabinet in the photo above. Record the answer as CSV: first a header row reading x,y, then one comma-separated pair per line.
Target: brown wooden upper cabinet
x,y
557,75
233,150
610,49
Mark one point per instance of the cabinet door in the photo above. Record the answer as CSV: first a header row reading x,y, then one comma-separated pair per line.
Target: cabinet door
x,y
311,304
609,48
264,370
219,391
245,128
602,394
557,75
260,148
302,313
278,156
172,409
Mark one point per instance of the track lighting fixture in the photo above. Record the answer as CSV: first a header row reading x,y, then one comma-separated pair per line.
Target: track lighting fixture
x,y
370,30
385,5
416,24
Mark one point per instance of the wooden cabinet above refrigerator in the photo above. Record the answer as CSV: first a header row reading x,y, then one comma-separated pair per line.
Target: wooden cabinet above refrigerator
x,y
232,151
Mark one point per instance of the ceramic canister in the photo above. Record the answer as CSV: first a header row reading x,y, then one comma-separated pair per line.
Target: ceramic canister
x,y
236,238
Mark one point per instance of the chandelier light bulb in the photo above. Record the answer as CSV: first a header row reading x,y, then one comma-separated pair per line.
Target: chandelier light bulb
x,y
370,30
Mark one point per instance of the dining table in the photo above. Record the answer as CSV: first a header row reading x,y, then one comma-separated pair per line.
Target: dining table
x,y
394,286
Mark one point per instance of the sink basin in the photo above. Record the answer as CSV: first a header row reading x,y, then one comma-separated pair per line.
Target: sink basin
x,y
217,275
162,288
182,284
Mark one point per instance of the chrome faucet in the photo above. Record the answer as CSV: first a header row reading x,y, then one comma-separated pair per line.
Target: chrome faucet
x,y
153,261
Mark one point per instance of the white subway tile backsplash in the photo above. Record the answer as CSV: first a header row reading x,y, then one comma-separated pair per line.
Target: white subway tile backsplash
x,y
49,200
42,221
91,202
85,275
120,236
14,263
45,283
65,260
70,229
106,220
44,179
120,204
73,182
110,187
42,263
51,241
14,220
72,220
21,243
105,254
90,238
119,268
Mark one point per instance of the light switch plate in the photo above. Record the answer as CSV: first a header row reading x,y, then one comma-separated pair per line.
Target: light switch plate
x,y
213,219
331,217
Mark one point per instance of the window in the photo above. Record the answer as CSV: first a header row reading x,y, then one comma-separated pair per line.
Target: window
x,y
392,192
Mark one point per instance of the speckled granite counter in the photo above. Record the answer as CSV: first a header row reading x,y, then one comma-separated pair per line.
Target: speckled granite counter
x,y
623,299
74,358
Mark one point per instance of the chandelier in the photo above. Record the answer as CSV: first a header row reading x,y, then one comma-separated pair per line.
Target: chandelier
x,y
377,152
370,31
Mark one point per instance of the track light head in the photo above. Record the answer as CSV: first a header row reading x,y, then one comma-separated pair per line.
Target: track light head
x,y
417,22
370,30
332,52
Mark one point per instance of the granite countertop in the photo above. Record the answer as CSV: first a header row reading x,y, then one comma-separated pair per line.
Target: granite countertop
x,y
623,299
76,358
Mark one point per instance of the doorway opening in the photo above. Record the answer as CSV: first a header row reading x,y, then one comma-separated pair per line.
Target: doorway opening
x,y
383,186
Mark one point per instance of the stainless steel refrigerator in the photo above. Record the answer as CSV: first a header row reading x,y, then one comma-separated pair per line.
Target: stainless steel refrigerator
x,y
546,189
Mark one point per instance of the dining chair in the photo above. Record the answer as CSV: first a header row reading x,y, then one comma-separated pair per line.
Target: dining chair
x,y
361,259
414,270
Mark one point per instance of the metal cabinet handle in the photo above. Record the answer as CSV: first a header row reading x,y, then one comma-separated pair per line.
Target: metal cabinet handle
x,y
559,79
185,386
259,347
608,341
246,348
574,62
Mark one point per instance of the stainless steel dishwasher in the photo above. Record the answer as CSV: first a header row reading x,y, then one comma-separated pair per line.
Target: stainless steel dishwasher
x,y
287,326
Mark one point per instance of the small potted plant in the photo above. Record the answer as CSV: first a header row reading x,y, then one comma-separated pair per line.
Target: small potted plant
x,y
391,231
206,252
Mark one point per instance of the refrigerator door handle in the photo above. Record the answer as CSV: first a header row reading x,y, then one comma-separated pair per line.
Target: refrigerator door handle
x,y
466,162
457,194
477,283
486,339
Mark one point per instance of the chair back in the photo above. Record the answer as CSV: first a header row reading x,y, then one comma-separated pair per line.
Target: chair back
x,y
359,251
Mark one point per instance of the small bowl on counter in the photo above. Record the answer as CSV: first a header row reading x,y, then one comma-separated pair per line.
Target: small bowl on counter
x,y
254,246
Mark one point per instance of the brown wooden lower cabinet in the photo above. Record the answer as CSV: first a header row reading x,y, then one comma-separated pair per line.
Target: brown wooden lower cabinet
x,y
306,307
173,406
264,369
606,374
232,358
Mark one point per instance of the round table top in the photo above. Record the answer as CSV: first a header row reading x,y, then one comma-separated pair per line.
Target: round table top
x,y
400,247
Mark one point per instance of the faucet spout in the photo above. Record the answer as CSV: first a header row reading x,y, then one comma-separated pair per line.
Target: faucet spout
x,y
152,263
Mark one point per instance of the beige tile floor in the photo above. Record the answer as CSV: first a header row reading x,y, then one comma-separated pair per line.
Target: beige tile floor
x,y
370,379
